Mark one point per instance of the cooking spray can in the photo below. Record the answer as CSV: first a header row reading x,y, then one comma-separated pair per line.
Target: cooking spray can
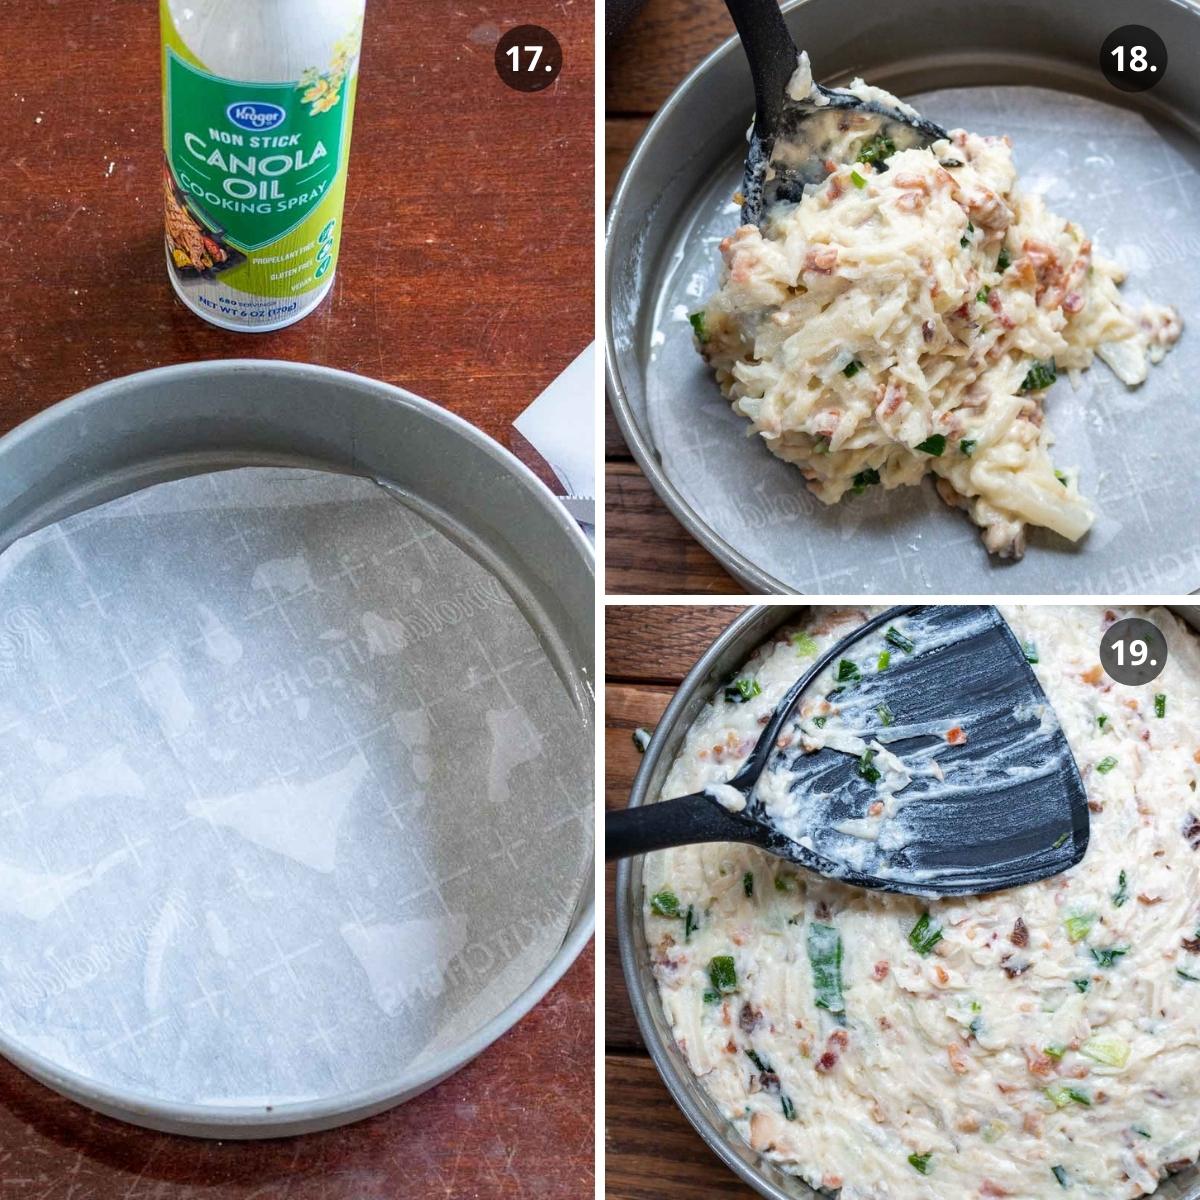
x,y
258,101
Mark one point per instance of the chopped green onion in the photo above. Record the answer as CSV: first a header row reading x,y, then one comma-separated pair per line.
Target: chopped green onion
x,y
806,647
784,882
1083,985
1059,841
1061,477
748,883
865,479
1080,926
885,714
1160,704
920,1162
789,1109
934,445
1139,1131
965,240
1122,892
1062,1094
1064,1180
848,672
1102,720
884,661
870,773
1030,650
741,690
982,295
697,320
1108,956
1184,975
711,997
1004,261
898,640
1110,1050
877,149
758,1062
924,935
967,446
665,904
825,959
857,180
852,368
1106,764
1055,1052
690,924
723,974
1041,375
819,722
641,739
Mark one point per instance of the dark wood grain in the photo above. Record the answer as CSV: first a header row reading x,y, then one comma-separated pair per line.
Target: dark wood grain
x,y
660,642
666,40
466,276
648,550
515,1123
651,1152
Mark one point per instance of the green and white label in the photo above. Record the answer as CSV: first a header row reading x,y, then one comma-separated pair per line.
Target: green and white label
x,y
253,159
254,178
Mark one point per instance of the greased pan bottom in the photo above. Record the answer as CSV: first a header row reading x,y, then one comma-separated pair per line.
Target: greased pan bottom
x,y
194,420
1120,158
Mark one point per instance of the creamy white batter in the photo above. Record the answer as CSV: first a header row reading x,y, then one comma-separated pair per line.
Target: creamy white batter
x,y
908,317
1010,1045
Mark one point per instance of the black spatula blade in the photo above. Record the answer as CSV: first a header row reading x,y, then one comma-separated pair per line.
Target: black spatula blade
x,y
1009,806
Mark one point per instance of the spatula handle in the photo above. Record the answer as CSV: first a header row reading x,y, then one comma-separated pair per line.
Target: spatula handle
x,y
771,53
680,822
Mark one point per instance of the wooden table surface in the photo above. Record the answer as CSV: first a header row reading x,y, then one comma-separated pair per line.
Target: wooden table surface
x,y
651,1151
647,549
452,282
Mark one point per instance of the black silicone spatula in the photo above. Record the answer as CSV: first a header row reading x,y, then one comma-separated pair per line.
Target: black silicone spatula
x,y
994,798
791,136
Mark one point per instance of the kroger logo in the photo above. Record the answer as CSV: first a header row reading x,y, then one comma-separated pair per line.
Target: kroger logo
x,y
255,115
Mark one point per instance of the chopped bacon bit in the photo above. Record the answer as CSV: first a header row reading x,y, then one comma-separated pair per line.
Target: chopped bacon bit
x,y
1017,968
1020,934
894,395
875,809
749,1018
1144,899
881,969
1041,1065
838,1040
1192,945
1072,302
960,1064
988,1188
885,1023
821,259
1031,1123
956,736
1093,675
1192,831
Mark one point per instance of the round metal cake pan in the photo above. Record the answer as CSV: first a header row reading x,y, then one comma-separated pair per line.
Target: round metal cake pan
x,y
723,658
698,137
192,419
